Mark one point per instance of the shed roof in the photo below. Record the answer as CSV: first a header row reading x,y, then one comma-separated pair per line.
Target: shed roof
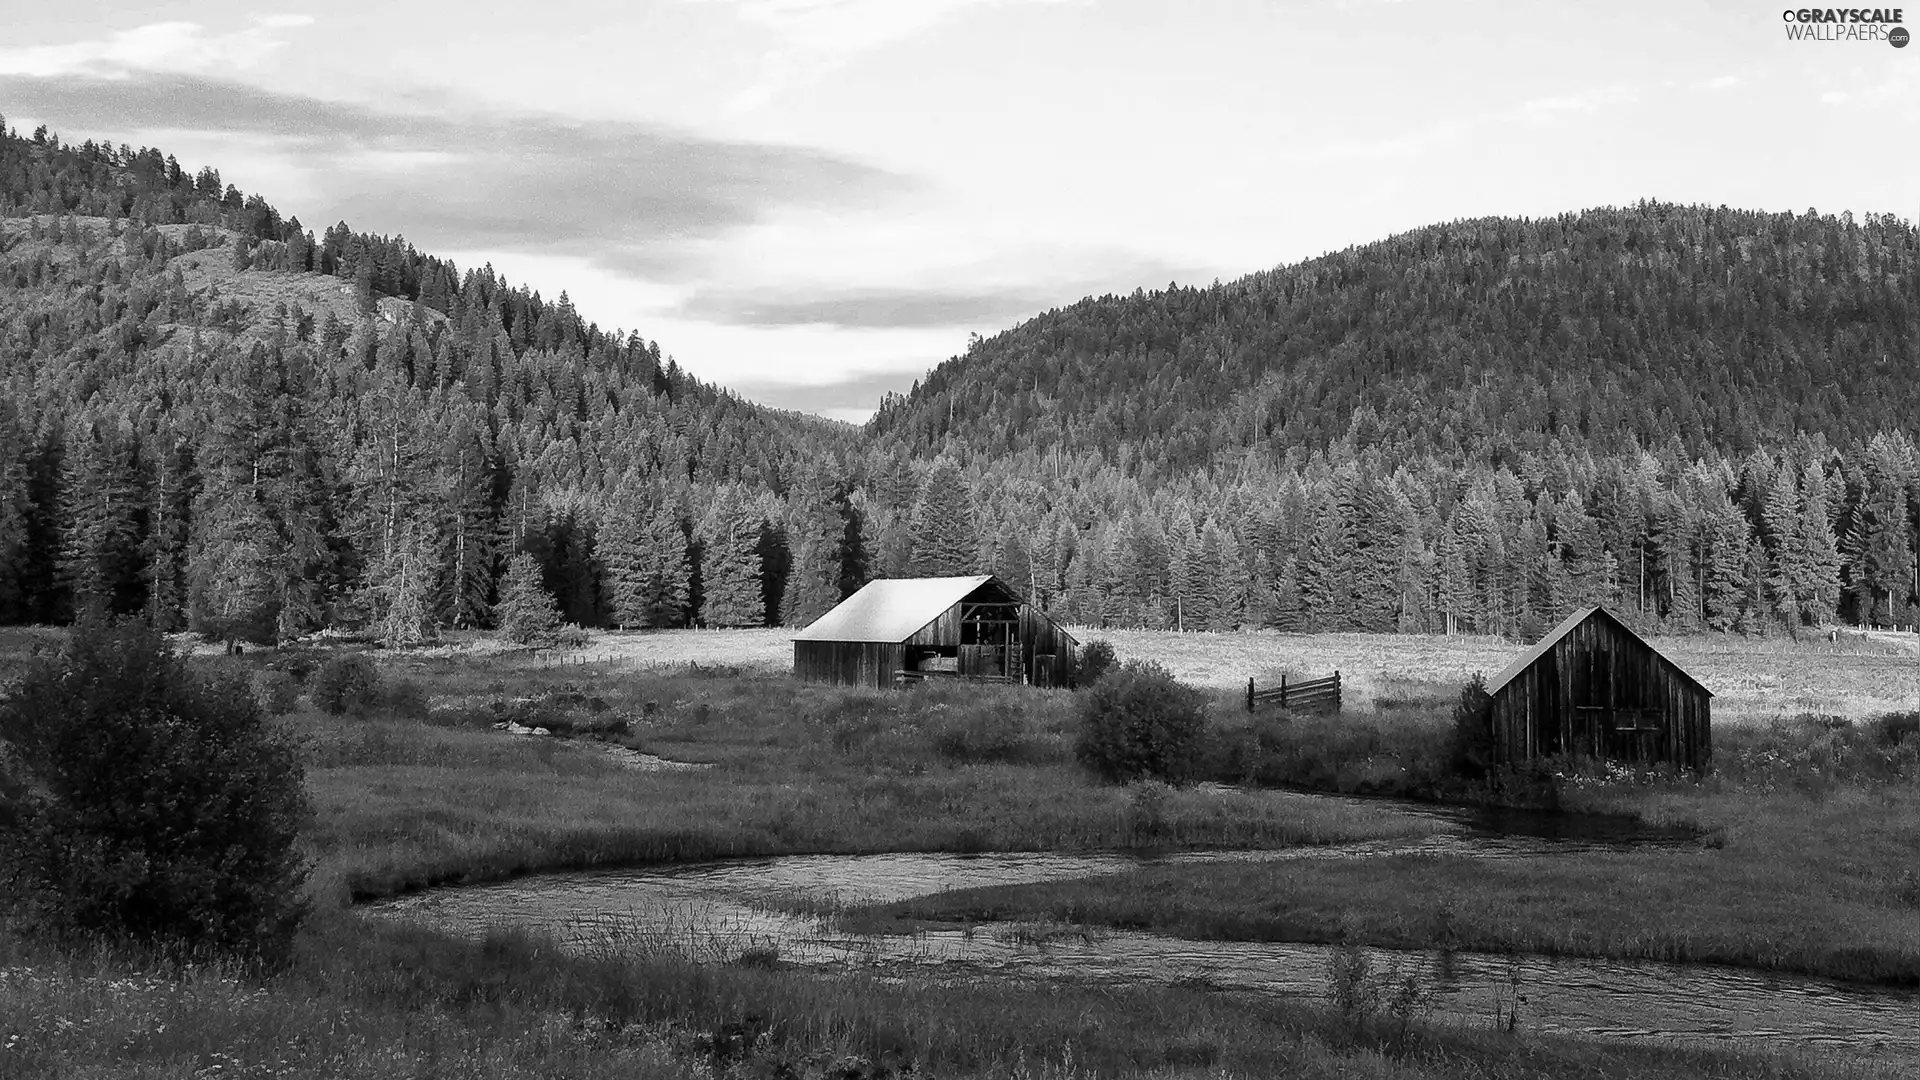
x,y
1540,648
891,609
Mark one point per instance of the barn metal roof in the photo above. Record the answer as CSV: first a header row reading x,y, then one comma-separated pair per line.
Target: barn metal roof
x,y
1525,660
891,609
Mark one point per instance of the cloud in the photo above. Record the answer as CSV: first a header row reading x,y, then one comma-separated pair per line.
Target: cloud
x,y
888,308
168,46
1542,110
452,175
1723,82
1588,101
813,38
852,399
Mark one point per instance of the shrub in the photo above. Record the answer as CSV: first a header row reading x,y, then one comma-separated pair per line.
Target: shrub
x,y
1096,659
276,691
1472,743
346,684
1895,729
1139,723
161,811
403,698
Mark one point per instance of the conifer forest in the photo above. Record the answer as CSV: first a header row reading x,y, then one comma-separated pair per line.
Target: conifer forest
x,y
230,422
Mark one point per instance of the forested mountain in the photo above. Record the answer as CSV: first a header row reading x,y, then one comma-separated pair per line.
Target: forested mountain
x,y
212,416
1613,329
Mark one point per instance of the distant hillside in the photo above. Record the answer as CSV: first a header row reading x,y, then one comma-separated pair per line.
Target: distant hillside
x,y
1611,329
343,409
213,417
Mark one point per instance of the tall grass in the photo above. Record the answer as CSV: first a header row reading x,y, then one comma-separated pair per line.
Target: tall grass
x,y
372,1000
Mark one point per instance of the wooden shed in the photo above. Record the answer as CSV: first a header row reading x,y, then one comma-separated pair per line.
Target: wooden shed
x,y
1593,687
900,629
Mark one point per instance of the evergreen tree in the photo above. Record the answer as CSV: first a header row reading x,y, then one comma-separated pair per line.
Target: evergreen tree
x,y
625,564
101,504
730,566
526,612
402,589
165,550
1724,571
1205,607
810,591
943,528
668,596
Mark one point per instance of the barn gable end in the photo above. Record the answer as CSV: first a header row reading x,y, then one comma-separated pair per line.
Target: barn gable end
x,y
1593,687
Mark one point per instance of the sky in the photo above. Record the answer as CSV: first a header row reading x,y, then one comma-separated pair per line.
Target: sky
x,y
813,202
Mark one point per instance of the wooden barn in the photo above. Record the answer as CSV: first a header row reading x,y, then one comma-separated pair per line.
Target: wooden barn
x,y
900,629
1596,688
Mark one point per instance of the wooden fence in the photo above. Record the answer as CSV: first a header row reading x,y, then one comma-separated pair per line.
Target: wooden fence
x,y
1310,695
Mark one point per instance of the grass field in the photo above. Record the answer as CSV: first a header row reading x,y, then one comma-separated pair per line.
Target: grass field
x,y
1753,679
424,790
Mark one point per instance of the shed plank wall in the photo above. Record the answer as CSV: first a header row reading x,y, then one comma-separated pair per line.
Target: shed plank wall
x,y
848,663
1538,713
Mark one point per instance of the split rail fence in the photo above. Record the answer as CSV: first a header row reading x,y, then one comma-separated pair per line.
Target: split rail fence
x,y
1307,695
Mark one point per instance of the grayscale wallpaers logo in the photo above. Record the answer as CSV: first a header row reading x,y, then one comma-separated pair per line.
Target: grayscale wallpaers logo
x,y
1846,24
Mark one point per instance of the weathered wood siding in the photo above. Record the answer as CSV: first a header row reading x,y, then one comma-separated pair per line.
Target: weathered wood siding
x,y
1602,692
1040,636
848,663
854,663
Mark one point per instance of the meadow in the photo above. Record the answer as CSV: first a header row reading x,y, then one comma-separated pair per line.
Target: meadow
x,y
1753,679
425,789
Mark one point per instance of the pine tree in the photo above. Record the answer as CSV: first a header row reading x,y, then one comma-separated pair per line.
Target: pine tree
x,y
1789,577
810,591
1205,610
1184,571
943,530
1818,553
403,589
233,569
16,498
101,500
1325,566
669,574
1724,570
164,553
625,565
1236,585
466,527
526,612
1880,548
730,566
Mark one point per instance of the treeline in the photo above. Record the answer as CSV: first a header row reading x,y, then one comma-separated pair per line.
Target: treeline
x,y
213,418
366,448
1615,329
1350,539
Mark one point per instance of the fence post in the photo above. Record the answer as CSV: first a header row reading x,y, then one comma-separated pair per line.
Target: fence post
x,y
1337,703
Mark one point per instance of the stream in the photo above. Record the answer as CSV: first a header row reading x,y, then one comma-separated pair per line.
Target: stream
x,y
719,911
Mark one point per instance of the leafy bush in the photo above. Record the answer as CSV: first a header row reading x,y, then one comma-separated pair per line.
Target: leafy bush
x,y
346,684
160,811
1139,723
276,691
1096,659
1472,744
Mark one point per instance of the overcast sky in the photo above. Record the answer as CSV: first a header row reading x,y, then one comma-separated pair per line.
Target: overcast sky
x,y
815,201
